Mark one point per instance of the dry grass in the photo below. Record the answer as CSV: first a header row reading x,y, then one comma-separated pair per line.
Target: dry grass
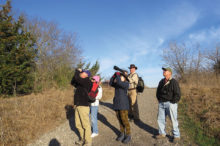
x,y
25,118
203,102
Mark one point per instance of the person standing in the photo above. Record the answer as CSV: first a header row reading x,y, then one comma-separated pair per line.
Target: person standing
x,y
121,105
132,94
168,95
83,85
95,107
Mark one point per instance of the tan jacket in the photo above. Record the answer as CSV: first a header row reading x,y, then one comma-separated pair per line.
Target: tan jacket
x,y
133,80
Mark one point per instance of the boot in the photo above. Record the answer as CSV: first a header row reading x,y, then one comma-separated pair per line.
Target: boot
x,y
120,137
127,139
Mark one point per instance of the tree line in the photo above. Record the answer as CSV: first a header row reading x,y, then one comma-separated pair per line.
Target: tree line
x,y
191,64
35,54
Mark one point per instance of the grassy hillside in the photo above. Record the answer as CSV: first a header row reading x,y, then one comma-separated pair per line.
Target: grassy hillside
x,y
200,106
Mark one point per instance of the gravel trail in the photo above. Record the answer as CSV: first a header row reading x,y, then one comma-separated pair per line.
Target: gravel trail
x,y
142,133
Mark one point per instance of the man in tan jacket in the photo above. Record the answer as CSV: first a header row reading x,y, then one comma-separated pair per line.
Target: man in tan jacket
x,y
132,93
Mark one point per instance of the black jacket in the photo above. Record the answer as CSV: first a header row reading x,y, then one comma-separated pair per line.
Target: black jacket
x,y
120,101
169,92
83,86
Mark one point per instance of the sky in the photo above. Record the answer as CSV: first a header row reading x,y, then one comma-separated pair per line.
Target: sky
x,y
124,32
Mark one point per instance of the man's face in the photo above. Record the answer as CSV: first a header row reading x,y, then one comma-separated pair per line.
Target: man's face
x,y
166,74
132,70
83,75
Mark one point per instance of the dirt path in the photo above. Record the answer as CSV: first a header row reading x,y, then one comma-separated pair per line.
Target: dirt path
x,y
142,132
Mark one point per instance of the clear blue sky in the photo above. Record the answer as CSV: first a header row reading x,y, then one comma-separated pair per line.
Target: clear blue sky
x,y
122,32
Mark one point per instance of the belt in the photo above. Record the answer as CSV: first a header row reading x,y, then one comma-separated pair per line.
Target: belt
x,y
132,89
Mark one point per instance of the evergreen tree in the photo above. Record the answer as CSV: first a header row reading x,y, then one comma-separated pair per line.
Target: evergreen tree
x,y
95,68
17,54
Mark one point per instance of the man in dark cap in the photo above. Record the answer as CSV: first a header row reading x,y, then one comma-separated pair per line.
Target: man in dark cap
x,y
132,93
168,95
83,85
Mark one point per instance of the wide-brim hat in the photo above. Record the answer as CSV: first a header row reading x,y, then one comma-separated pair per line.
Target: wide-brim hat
x,y
132,66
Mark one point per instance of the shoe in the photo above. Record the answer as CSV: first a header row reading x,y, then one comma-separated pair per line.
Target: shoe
x,y
176,139
127,139
94,134
79,142
160,136
131,120
120,137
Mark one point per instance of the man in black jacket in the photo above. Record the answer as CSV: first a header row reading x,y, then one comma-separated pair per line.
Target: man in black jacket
x,y
83,84
168,95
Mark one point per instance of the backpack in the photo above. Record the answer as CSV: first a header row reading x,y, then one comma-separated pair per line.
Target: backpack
x,y
140,85
93,92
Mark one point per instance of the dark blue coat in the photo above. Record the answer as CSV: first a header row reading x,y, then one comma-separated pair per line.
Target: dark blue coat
x,y
120,101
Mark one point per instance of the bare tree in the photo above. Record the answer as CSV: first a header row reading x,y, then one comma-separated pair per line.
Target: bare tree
x,y
185,61
214,57
58,51
176,57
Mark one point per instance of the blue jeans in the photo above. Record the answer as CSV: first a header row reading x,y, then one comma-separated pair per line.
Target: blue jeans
x,y
94,119
170,109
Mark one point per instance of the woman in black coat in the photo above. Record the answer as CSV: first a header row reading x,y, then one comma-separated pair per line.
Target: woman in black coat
x,y
121,105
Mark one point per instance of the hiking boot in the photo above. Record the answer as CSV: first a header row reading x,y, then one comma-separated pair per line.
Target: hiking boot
x,y
160,136
131,120
120,137
176,139
79,142
127,139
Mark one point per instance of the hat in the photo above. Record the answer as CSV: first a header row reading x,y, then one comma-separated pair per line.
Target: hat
x,y
96,78
132,66
87,72
167,69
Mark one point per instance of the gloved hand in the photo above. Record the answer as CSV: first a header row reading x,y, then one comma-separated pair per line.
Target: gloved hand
x,y
118,73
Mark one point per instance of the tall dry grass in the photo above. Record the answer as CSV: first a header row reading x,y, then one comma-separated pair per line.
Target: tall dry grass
x,y
201,95
24,119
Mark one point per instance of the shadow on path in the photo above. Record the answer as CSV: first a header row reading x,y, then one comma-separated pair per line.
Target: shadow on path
x,y
109,105
71,117
105,121
54,142
146,127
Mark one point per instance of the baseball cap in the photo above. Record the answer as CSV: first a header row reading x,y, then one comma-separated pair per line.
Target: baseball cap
x,y
87,72
96,78
167,69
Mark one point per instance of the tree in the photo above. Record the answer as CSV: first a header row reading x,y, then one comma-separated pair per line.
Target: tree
x,y
176,57
17,54
214,57
58,53
94,69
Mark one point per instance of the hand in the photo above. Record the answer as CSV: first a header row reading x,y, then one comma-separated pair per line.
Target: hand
x,y
118,73
125,73
79,69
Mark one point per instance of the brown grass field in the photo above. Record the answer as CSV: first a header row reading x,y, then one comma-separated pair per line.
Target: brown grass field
x,y
203,104
25,118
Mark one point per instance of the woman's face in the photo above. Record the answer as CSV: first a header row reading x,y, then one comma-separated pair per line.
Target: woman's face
x,y
122,78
